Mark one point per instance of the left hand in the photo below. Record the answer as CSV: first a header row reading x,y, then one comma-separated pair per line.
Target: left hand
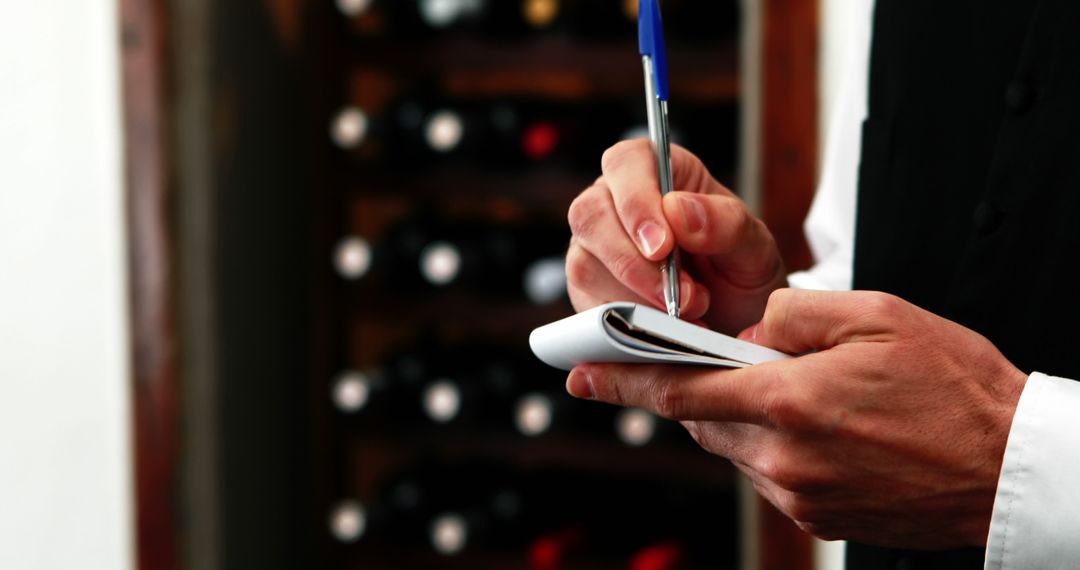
x,y
891,433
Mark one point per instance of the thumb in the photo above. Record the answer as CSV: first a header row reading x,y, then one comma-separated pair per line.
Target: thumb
x,y
798,321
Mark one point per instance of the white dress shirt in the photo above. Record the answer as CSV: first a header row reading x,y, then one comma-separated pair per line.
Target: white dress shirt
x,y
1036,518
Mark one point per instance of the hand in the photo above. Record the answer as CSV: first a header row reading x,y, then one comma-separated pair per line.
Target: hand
x,y
622,229
892,433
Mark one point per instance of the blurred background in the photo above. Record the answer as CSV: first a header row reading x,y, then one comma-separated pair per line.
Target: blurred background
x,y
268,270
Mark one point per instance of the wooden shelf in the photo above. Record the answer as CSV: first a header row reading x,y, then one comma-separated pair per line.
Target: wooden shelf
x,y
552,68
369,455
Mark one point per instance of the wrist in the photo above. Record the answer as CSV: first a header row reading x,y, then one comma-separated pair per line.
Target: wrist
x,y
1005,389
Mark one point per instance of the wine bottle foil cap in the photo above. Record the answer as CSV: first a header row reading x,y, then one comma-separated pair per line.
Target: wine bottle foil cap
x,y
348,521
444,130
351,391
440,263
353,8
352,257
545,280
540,13
442,400
635,427
533,414
445,13
449,533
349,128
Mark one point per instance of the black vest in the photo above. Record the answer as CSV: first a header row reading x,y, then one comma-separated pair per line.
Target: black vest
x,y
969,185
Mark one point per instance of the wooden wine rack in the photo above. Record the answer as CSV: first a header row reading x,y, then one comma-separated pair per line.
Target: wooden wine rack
x,y
239,109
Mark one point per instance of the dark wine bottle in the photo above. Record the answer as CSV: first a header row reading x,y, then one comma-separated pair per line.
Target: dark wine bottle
x,y
476,386
472,385
503,20
521,20
638,428
425,129
551,411
414,19
424,253
388,395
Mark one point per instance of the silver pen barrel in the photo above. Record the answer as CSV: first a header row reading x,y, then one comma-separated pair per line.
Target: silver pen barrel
x,y
659,134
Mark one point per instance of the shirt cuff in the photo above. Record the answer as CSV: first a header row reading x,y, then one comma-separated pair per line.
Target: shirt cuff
x,y
1036,519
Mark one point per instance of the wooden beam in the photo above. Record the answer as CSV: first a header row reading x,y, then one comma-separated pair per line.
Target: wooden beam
x,y
150,262
790,122
789,155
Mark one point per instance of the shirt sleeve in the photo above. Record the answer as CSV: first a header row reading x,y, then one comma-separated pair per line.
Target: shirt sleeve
x,y
1036,520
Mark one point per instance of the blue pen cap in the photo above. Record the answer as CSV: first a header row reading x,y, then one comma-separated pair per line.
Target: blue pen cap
x,y
651,43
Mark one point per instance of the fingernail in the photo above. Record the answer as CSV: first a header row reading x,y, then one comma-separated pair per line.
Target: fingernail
x,y
650,237
579,385
693,213
751,333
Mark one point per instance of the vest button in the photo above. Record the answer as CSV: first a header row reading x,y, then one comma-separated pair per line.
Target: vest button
x,y
1019,96
986,218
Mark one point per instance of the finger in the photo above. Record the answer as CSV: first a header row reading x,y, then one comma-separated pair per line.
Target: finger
x,y
596,229
629,169
588,280
722,227
797,321
590,284
678,392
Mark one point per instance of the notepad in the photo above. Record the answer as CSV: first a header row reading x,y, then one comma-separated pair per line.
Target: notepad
x,y
631,333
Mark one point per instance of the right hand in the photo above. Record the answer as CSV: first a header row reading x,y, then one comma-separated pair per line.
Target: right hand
x,y
623,229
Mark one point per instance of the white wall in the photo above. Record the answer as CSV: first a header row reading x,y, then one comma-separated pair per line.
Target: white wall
x,y
65,468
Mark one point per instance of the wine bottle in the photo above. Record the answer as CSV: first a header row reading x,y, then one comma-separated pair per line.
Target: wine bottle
x,y
427,129
387,395
413,18
522,20
497,260
638,428
551,411
414,503
492,19
429,383
477,384
425,253
665,555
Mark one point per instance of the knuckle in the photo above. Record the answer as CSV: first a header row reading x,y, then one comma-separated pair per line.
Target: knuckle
x,y
736,216
777,311
621,266
578,267
670,401
802,509
780,471
614,391
880,305
778,301
585,211
789,412
618,154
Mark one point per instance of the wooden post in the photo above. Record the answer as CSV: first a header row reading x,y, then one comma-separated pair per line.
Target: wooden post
x,y
789,154
150,255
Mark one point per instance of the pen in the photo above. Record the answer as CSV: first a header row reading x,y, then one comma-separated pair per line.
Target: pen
x,y
654,63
